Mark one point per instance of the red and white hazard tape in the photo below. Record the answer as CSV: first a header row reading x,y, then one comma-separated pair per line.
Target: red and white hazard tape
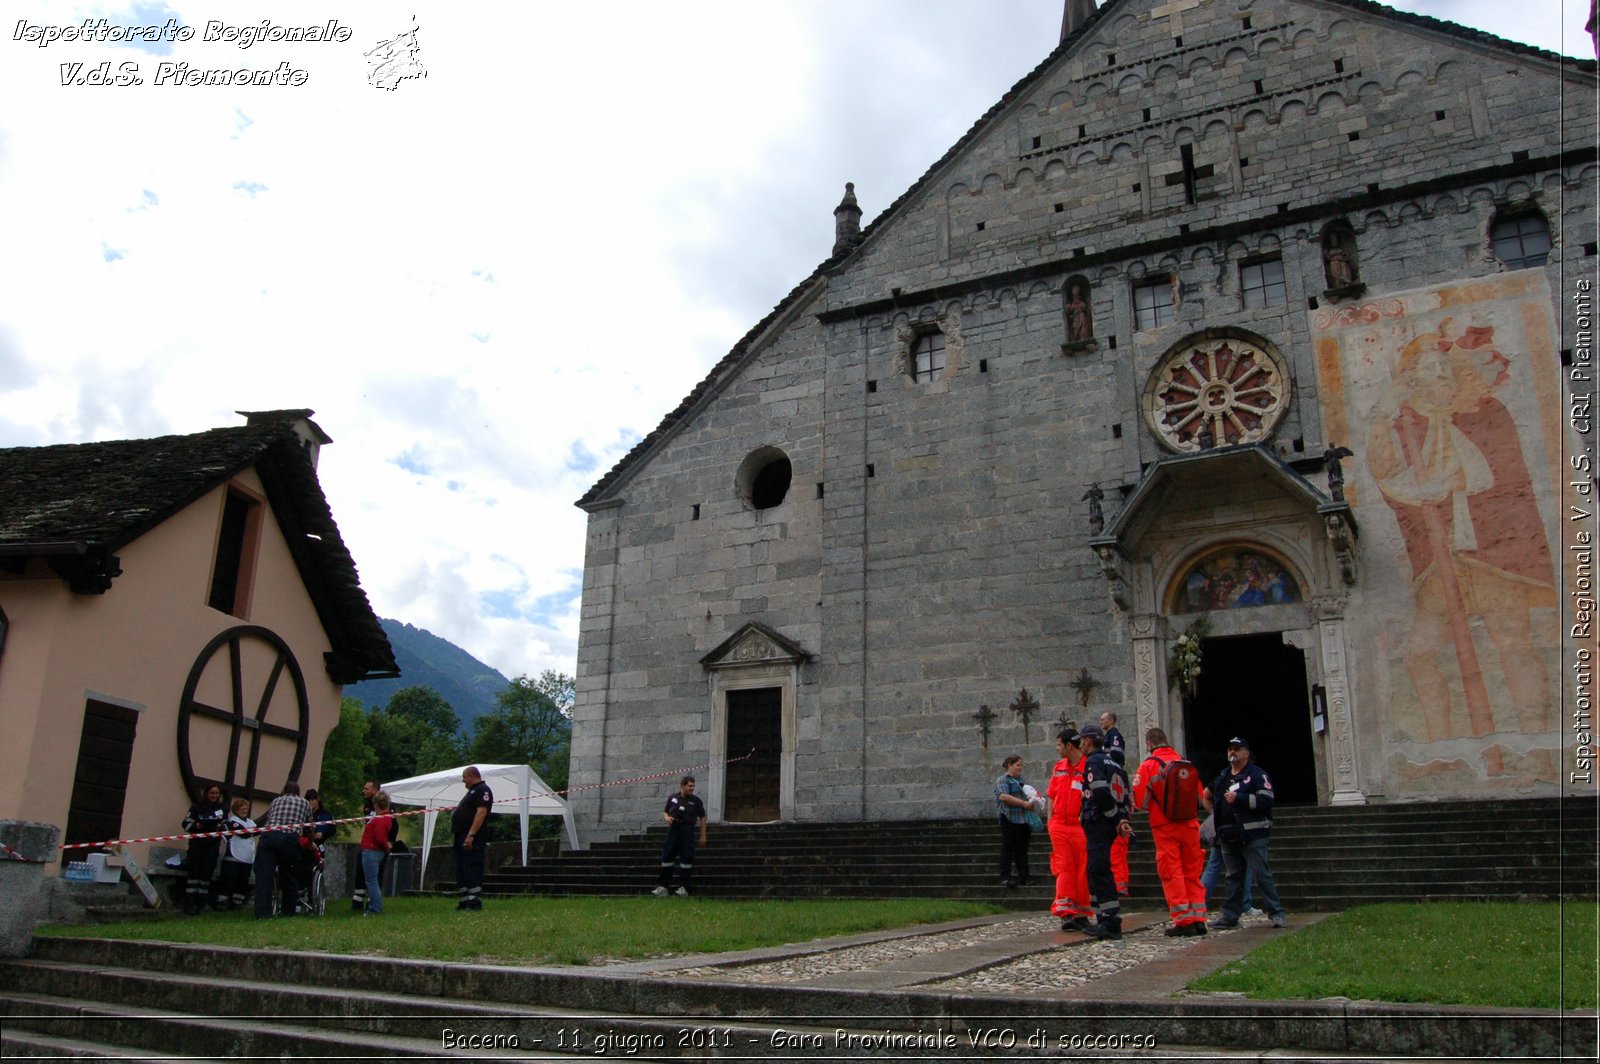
x,y
8,854
13,855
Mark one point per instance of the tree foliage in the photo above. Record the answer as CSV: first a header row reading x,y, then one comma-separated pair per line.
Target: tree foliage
x,y
531,725
344,759
419,732
416,732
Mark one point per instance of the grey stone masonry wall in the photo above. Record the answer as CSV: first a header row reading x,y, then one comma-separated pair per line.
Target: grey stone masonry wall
x,y
932,552
1308,104
28,845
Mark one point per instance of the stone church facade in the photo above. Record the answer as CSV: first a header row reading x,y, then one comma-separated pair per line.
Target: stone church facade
x,y
1244,322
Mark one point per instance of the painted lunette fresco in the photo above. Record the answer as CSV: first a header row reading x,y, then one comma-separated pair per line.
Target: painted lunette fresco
x,y
1450,398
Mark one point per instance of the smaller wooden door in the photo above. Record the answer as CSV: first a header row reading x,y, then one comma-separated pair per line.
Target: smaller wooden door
x,y
100,781
751,786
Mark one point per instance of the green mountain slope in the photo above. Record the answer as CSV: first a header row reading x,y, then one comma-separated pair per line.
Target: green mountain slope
x,y
426,660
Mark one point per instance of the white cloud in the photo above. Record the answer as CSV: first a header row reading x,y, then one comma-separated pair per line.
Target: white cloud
x,y
488,283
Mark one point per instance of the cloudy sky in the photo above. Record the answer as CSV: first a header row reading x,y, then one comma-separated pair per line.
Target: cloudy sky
x,y
488,283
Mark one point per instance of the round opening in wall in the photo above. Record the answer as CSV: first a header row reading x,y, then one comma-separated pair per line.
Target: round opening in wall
x,y
764,478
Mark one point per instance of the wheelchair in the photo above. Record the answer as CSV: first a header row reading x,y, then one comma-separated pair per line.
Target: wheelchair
x,y
312,889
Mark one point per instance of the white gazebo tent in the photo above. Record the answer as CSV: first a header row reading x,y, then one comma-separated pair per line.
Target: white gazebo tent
x,y
516,789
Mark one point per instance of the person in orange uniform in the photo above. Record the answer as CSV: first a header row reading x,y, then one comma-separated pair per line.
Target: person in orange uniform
x,y
1179,858
1068,851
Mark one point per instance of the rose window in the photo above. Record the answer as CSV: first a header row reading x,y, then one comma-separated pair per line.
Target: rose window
x,y
1216,394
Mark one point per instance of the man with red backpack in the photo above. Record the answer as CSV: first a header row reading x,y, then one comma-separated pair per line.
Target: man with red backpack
x,y
1169,787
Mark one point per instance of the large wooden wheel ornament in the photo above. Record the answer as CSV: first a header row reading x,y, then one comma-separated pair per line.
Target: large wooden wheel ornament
x,y
1217,392
278,690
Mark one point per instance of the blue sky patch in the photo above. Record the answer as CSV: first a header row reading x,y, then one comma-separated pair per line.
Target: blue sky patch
x,y
412,461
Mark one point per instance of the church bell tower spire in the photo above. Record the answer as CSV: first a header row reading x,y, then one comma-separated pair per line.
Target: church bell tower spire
x,y
1076,14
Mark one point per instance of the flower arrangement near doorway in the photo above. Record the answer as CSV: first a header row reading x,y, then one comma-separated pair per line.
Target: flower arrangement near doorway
x,y
1183,667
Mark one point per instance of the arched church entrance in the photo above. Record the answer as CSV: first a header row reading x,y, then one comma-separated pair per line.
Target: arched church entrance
x,y
1233,550
1254,686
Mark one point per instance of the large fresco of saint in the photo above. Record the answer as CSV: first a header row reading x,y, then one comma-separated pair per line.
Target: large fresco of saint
x,y
1450,398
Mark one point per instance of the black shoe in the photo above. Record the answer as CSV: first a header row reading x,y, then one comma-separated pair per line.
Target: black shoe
x,y
1197,929
1009,884
1075,923
1178,931
1103,933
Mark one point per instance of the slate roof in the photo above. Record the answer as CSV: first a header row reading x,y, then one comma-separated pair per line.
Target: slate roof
x,y
86,500
734,356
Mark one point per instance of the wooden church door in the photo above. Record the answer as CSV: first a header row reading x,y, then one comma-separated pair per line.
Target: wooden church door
x,y
751,786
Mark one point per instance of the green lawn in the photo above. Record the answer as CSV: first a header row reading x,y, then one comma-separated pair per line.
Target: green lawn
x,y
544,930
1535,955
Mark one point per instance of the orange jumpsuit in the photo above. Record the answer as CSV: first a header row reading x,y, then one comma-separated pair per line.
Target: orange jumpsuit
x,y
1179,859
1069,853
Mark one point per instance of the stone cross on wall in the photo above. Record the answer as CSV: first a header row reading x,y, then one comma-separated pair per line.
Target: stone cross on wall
x,y
1025,707
984,716
1085,685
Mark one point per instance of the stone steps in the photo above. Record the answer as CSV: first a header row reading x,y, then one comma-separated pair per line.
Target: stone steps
x,y
1323,858
81,996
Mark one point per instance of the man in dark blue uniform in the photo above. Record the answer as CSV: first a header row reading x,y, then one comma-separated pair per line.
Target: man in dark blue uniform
x,y
683,813
1107,802
466,828
1242,797
1116,749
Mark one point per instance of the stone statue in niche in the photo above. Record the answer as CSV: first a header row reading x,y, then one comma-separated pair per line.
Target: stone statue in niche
x,y
1339,261
1079,315
1080,323
1337,264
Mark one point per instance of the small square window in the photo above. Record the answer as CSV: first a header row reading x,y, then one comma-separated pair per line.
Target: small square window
x,y
1153,303
927,356
1521,240
1262,283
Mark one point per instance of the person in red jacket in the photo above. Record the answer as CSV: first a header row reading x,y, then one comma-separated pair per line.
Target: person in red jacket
x,y
375,845
1068,850
1179,858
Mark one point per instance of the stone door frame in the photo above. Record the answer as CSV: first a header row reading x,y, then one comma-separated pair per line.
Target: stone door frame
x,y
753,657
1316,626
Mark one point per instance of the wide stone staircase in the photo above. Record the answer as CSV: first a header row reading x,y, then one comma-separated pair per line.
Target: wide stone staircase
x,y
1323,858
160,1001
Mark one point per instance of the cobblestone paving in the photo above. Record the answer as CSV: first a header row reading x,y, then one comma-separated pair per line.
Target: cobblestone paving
x,y
1067,965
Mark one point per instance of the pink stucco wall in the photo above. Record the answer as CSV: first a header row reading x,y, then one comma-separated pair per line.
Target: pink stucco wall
x,y
136,645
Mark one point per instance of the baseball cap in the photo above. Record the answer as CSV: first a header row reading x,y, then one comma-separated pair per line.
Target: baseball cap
x,y
1091,731
1238,741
